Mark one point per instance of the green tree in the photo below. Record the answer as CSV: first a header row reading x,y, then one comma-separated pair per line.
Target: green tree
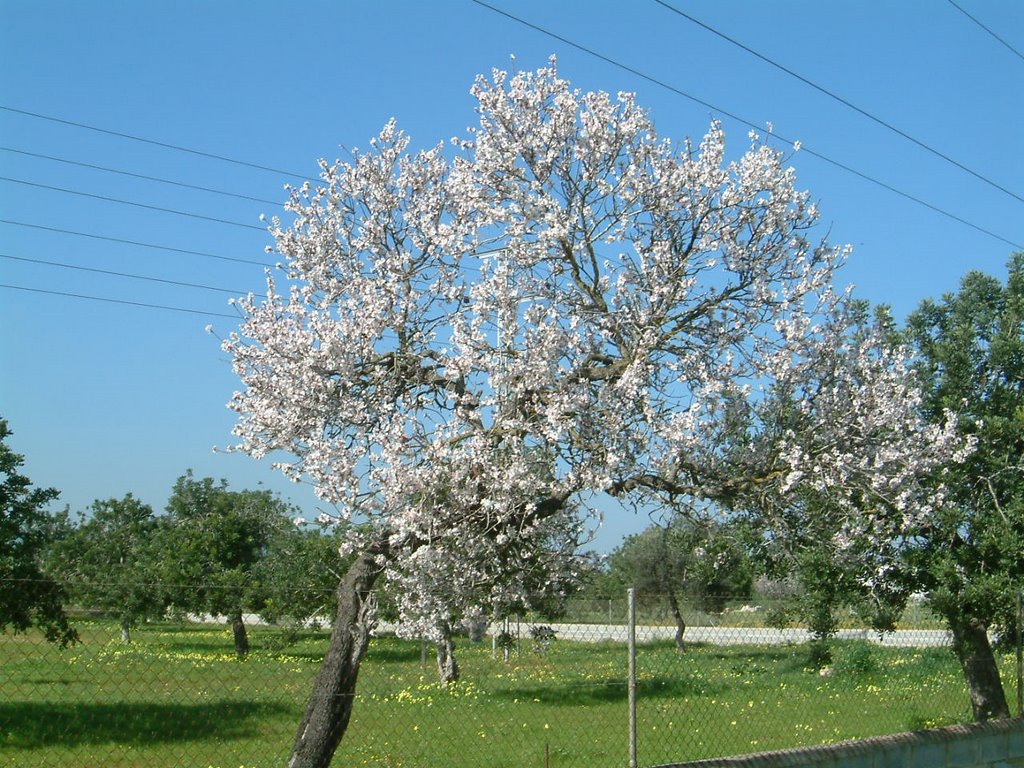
x,y
298,575
211,544
107,561
27,596
969,555
827,570
704,560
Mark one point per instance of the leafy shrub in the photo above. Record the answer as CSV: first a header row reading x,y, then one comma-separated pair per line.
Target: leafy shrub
x,y
857,660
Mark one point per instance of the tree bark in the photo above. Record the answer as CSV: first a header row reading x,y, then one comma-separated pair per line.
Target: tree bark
x,y
126,634
972,648
447,666
330,703
241,636
678,616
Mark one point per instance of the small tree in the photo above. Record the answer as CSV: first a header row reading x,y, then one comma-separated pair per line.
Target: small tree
x,y
27,596
721,568
108,561
809,546
700,559
210,546
435,593
297,574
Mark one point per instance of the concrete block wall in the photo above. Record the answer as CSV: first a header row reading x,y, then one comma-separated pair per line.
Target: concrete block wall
x,y
996,744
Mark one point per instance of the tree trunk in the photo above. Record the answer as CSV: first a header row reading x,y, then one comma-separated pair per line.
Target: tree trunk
x,y
447,666
972,648
241,637
678,616
330,703
126,634
477,630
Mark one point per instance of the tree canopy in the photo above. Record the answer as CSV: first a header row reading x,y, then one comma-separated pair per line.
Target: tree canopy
x,y
109,561
569,305
27,596
968,557
703,560
210,545
297,572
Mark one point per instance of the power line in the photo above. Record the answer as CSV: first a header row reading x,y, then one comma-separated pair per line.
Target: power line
x,y
135,242
166,145
133,203
140,176
118,301
744,121
121,274
180,250
1013,50
840,99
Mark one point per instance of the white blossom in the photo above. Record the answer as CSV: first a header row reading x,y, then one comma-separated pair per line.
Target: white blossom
x,y
462,344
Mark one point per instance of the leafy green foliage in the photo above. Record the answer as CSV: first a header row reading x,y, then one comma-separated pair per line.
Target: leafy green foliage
x,y
824,579
705,560
298,575
827,565
27,597
211,544
107,561
970,557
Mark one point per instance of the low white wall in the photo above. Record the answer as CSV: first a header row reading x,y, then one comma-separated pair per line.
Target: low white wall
x,y
996,744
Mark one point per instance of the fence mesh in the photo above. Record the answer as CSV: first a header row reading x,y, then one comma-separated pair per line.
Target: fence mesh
x,y
739,685
531,691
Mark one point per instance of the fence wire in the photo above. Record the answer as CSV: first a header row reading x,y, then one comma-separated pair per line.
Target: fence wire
x,y
531,691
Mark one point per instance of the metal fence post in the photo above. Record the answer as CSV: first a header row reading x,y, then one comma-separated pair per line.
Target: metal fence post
x,y
631,600
1020,666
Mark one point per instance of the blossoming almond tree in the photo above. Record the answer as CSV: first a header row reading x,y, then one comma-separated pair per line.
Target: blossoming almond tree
x,y
561,303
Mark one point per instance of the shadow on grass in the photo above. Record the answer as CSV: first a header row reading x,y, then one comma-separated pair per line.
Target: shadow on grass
x,y
204,639
397,653
582,693
215,639
757,659
312,647
30,725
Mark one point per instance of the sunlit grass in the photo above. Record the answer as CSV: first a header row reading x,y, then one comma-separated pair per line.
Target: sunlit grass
x,y
179,697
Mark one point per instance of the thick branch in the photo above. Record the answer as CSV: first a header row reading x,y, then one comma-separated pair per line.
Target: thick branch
x,y
724,491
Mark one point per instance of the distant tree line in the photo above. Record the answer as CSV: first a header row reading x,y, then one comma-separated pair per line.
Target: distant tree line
x,y
214,551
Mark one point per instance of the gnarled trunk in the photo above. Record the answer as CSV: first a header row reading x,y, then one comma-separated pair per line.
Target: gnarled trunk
x,y
330,703
240,635
447,666
972,648
678,616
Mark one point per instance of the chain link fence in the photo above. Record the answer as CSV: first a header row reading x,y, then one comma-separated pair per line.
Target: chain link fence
x,y
531,691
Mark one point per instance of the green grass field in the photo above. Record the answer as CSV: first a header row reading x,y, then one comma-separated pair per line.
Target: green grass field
x,y
178,697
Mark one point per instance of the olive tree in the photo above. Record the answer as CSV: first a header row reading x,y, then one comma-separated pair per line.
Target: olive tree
x,y
968,559
209,545
107,560
296,574
702,559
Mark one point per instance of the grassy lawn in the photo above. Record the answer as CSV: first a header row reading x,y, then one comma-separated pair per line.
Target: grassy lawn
x,y
178,697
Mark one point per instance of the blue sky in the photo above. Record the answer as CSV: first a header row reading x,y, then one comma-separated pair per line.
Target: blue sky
x,y
106,398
